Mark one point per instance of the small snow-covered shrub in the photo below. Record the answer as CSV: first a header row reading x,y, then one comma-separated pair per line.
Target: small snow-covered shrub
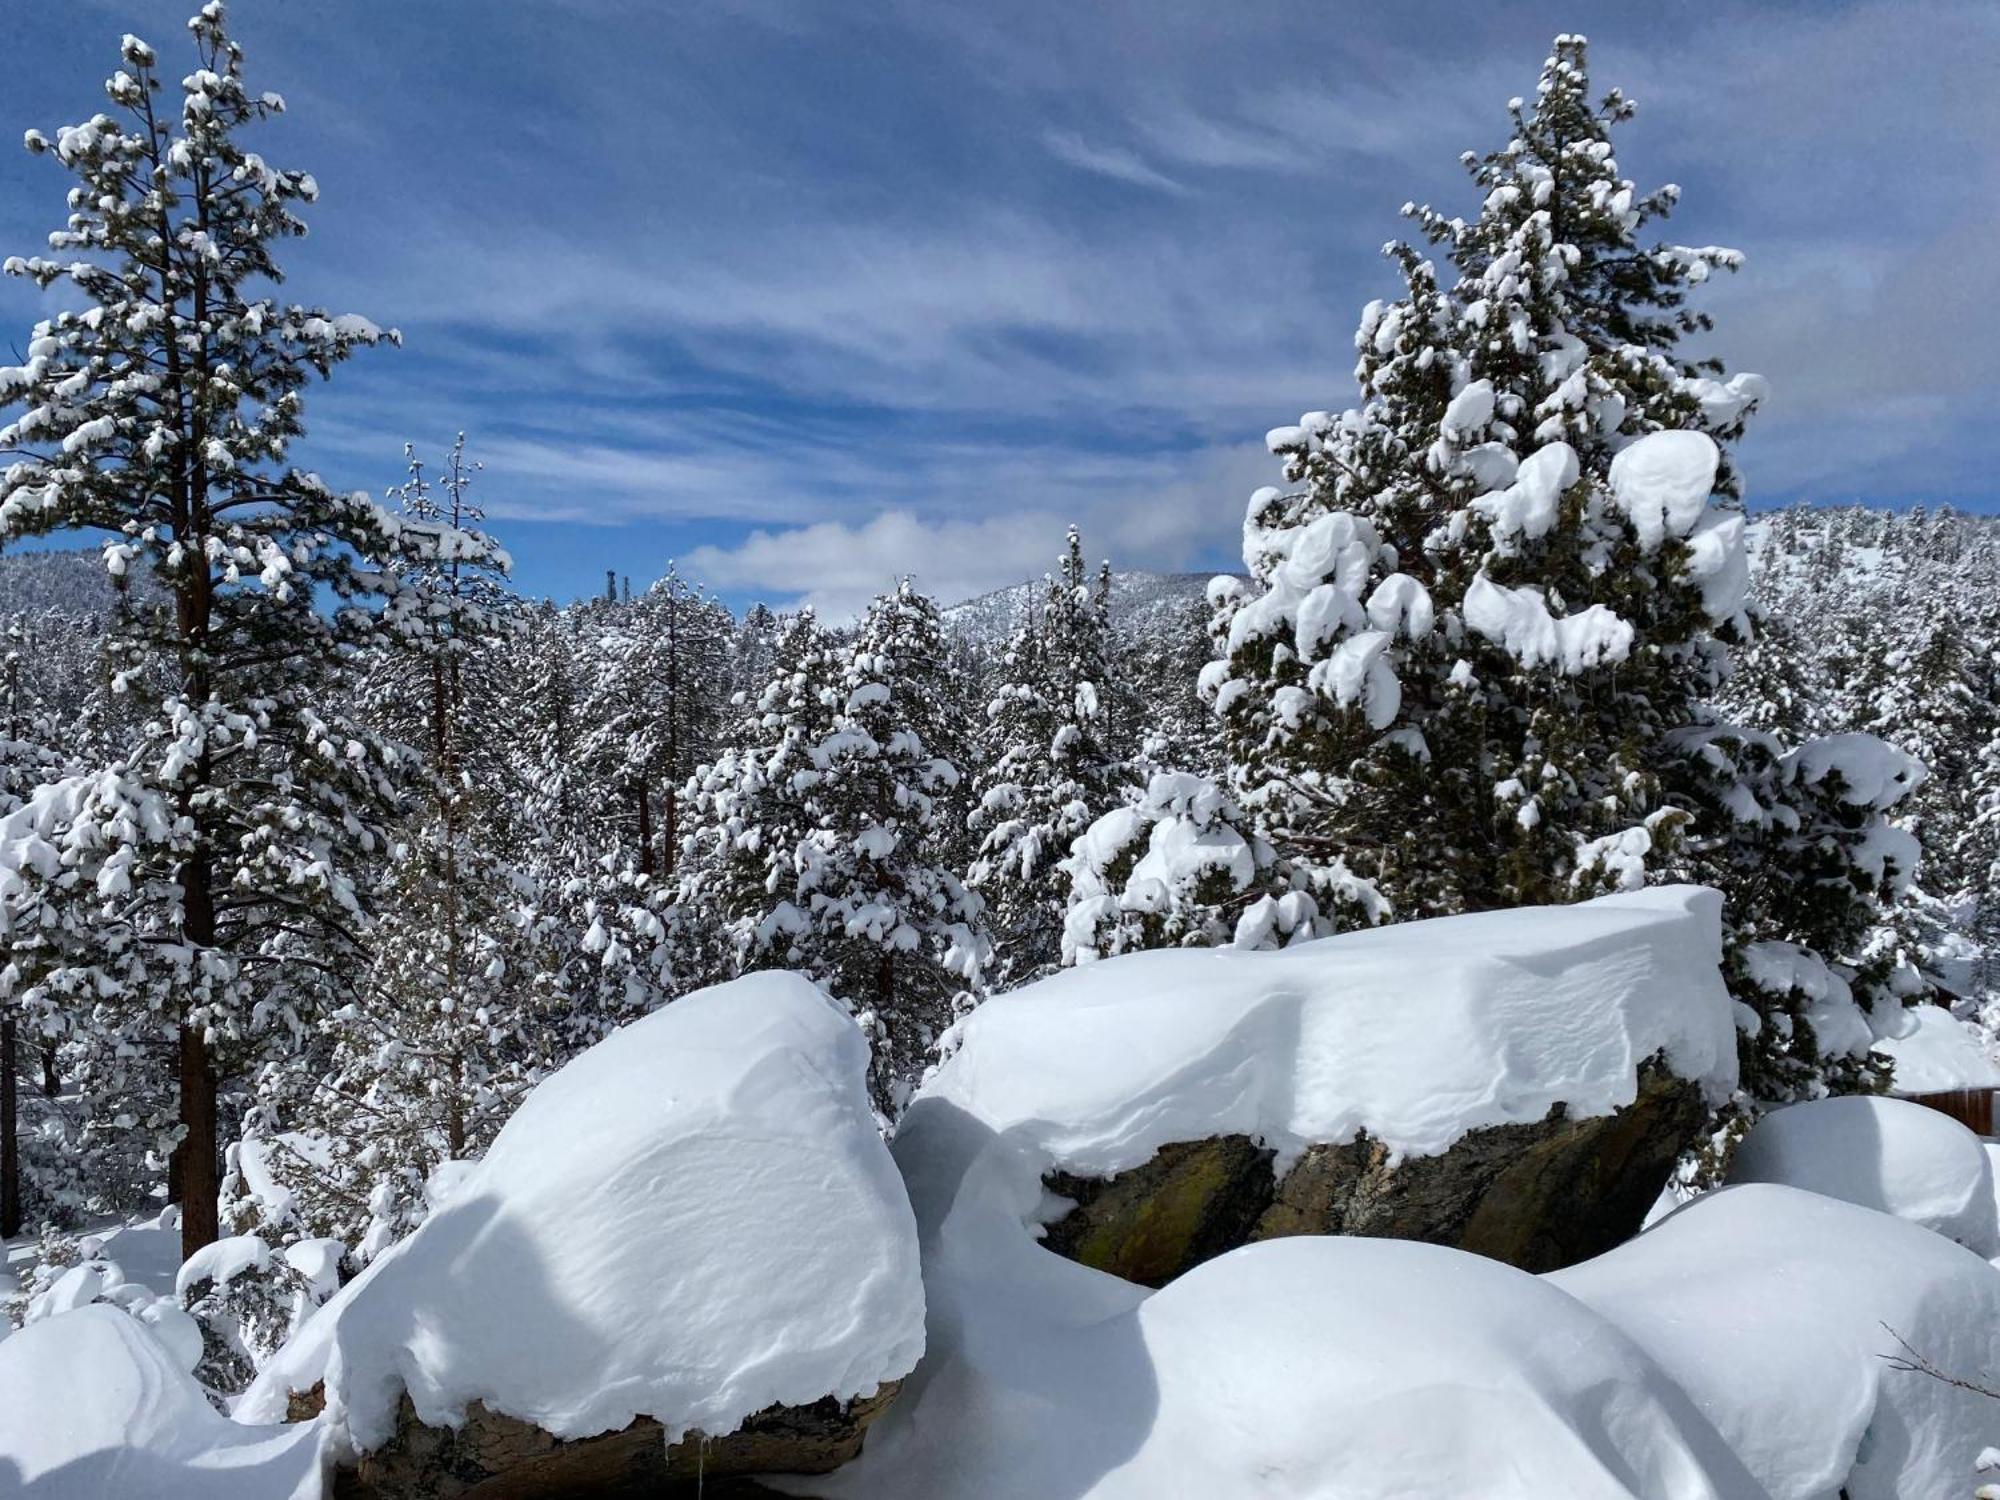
x,y
250,1299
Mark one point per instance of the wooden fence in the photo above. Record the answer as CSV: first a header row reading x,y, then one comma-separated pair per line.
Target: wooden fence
x,y
1972,1108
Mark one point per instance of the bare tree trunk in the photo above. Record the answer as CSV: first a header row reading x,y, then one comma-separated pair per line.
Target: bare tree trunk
x,y
10,1103
10,1137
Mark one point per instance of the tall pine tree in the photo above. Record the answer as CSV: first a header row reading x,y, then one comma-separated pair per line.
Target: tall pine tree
x,y
214,874
1471,622
895,930
1050,764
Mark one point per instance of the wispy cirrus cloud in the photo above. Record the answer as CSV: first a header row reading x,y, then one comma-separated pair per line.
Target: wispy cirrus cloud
x,y
1116,162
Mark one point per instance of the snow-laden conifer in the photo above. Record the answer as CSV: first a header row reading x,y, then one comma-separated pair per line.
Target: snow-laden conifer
x,y
655,707
206,887
1051,764
756,806
1488,594
894,931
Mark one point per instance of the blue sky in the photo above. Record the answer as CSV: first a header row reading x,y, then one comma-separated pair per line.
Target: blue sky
x,y
808,294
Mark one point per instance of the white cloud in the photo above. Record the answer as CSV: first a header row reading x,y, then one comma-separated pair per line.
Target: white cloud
x,y
1114,162
838,566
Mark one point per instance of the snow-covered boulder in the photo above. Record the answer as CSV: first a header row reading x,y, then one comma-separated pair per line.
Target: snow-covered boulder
x,y
690,1232
94,1407
1365,1369
1784,1315
1886,1154
1518,1083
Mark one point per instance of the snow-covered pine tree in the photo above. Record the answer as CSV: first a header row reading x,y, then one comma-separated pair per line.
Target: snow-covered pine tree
x,y
751,651
439,681
1179,867
1490,594
1799,842
1979,854
1930,698
59,718
894,929
28,760
423,1064
1049,765
206,887
655,709
574,889
755,806
1884,622
1161,667
542,658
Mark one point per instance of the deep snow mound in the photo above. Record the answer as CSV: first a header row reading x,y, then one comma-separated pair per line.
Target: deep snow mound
x,y
93,1407
1367,1369
1935,1052
1779,1312
1886,1154
693,1221
1416,1034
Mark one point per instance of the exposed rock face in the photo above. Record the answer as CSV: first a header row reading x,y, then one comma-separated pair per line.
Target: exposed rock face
x,y
496,1457
1191,1202
1540,1196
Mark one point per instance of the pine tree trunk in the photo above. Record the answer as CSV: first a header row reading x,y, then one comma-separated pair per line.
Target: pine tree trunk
x,y
51,1071
195,1159
10,1139
10,1103
645,802
673,728
672,834
200,1182
192,1171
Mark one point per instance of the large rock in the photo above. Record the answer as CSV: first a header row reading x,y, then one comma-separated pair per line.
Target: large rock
x,y
693,1229
1540,1196
496,1457
1366,1369
1516,1083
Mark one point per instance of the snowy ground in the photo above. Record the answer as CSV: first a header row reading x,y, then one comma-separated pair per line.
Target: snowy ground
x,y
698,1219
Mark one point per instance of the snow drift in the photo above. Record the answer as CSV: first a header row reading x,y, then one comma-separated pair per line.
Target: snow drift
x,y
1779,1311
1416,1034
693,1221
1887,1154
1296,1367
1937,1052
93,1407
